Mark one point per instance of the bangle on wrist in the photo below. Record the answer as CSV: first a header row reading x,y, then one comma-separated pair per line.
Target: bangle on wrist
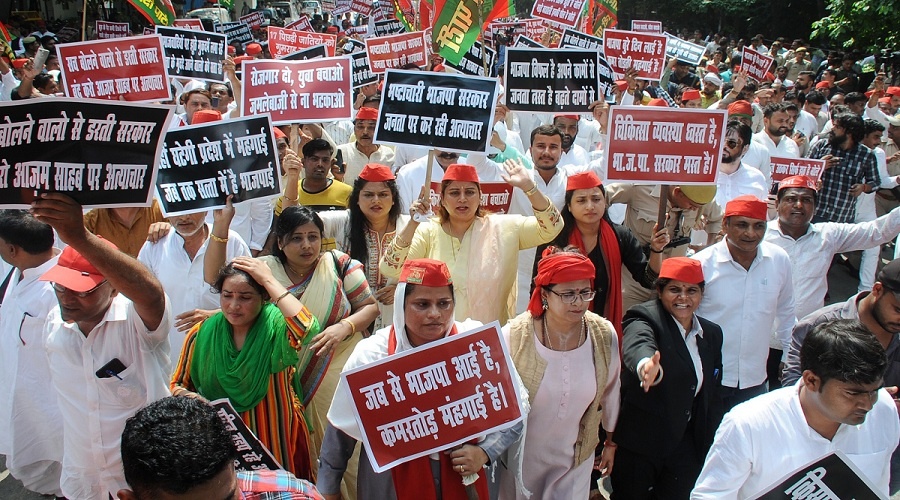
x,y
654,251
293,200
283,295
217,239
534,189
349,323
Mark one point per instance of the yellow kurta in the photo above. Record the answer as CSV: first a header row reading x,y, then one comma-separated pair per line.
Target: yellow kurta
x,y
483,264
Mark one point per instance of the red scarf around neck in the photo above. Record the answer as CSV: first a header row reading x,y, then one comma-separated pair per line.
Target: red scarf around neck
x,y
612,258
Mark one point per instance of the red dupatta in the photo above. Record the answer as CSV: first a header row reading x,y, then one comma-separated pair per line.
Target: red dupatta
x,y
612,257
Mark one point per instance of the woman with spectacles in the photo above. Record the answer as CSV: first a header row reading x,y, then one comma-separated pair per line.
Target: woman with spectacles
x,y
480,249
609,246
555,345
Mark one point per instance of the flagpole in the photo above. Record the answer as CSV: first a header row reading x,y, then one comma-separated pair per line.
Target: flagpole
x,y
84,20
480,5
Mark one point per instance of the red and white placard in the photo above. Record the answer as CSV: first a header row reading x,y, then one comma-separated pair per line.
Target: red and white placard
x,y
756,64
396,51
644,52
284,42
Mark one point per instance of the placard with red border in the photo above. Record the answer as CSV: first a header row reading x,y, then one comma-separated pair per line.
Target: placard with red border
x,y
194,24
283,41
782,168
645,52
396,51
561,12
643,26
756,64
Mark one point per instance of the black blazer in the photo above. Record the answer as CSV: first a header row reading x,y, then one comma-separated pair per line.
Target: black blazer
x,y
654,422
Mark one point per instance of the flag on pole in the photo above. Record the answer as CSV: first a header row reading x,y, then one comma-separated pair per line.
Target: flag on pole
x,y
459,23
404,12
602,15
160,12
6,43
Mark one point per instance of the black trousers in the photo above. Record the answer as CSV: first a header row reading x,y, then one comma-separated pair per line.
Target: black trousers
x,y
636,476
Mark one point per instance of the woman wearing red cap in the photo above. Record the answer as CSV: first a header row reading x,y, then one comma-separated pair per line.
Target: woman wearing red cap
x,y
480,249
671,380
609,246
366,229
555,345
424,307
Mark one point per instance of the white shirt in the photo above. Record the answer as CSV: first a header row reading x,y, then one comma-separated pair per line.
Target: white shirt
x,y
786,147
589,135
748,305
744,180
405,154
807,124
340,130
30,422
94,409
811,254
182,278
763,440
865,202
252,221
8,82
758,157
690,341
356,160
576,157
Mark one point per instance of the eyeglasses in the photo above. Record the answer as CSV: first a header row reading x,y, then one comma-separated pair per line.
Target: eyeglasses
x,y
81,295
572,297
731,143
449,156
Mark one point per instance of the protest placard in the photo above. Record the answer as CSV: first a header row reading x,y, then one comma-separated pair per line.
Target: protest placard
x,y
315,90
646,26
782,168
553,80
644,52
68,34
236,32
523,41
310,53
756,64
390,27
250,454
301,24
148,31
362,74
507,29
107,30
341,7
362,30
535,28
495,196
194,24
201,165
434,397
438,110
254,20
477,61
561,12
197,55
578,40
832,477
652,145
395,51
683,50
102,154
284,41
363,7
131,70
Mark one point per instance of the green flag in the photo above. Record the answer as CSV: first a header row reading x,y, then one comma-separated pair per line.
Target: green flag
x,y
460,22
159,12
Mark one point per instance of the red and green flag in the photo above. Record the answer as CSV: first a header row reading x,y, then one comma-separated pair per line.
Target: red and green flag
x,y
404,12
6,43
160,12
602,14
459,23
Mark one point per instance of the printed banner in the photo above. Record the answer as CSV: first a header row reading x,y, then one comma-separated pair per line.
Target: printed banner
x,y
68,34
396,51
341,7
254,20
236,32
644,52
756,64
646,26
495,196
102,154
578,40
782,168
193,54
283,41
552,80
250,454
358,30
447,392
301,24
683,50
362,74
148,31
130,70
561,12
310,53
316,90
523,41
156,11
832,477
384,28
438,110
472,62
651,145
194,24
363,7
107,30
201,165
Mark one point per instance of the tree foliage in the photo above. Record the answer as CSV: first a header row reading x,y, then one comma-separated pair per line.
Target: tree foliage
x,y
866,24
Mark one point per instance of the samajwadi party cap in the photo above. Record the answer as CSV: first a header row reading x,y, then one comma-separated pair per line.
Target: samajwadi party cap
x,y
798,181
279,134
682,269
205,116
690,95
700,194
583,180
570,117
74,272
894,91
658,102
375,172
425,272
461,172
747,206
740,107
253,49
367,113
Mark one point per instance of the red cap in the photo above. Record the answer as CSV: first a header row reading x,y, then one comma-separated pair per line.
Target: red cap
x,y
560,267
690,95
798,181
74,272
823,85
205,116
661,103
740,107
622,85
375,172
19,63
367,113
425,272
869,93
583,180
570,117
769,77
253,49
278,133
239,59
885,100
682,269
461,172
747,206
712,68
438,68
231,50
332,29
894,91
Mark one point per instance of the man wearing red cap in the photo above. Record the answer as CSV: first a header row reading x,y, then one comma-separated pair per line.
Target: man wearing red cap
x,y
107,345
193,100
362,151
749,293
692,99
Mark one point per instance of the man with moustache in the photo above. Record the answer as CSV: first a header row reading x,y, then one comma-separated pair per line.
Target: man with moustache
x,y
736,178
850,169
805,81
572,154
361,152
316,190
776,124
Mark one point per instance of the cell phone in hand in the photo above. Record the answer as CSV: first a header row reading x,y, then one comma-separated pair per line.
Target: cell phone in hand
x,y
342,167
40,58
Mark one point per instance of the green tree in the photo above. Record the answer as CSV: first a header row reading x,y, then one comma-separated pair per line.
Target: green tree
x,y
864,24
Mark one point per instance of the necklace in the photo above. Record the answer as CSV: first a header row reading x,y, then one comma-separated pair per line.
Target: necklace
x,y
582,335
299,275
